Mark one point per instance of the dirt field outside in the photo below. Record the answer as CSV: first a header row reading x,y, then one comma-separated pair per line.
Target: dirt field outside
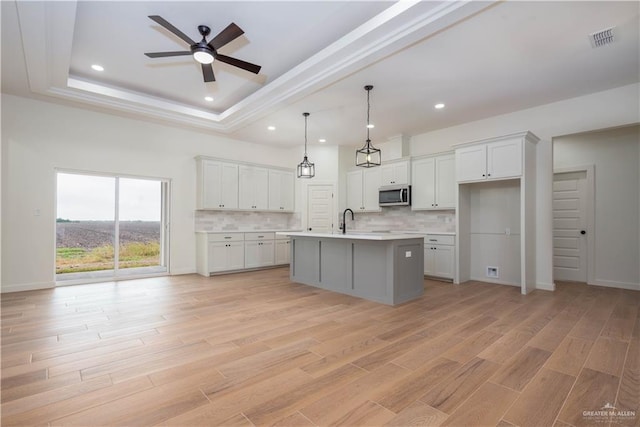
x,y
83,246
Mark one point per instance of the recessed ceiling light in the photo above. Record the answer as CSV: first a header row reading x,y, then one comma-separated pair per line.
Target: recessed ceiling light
x,y
370,125
208,98
322,140
271,127
439,106
97,67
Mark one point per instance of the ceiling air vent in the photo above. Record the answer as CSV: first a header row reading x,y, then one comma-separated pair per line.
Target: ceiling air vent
x,y
601,38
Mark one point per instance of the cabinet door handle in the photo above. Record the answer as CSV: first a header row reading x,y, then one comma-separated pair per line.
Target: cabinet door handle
x,y
488,174
483,175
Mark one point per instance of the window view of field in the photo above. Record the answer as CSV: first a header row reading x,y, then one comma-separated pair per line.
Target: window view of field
x,y
83,246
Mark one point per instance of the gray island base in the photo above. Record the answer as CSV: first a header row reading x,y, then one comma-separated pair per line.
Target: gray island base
x,y
386,268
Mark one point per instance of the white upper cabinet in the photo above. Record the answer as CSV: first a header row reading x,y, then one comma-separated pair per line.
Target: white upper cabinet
x,y
489,160
446,182
395,173
281,189
217,185
362,189
253,188
504,159
225,185
433,183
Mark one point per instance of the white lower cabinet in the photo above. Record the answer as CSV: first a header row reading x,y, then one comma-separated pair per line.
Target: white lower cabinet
x,y
283,250
217,252
220,252
259,249
439,256
225,256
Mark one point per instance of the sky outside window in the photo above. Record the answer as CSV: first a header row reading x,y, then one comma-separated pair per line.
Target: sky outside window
x,y
92,198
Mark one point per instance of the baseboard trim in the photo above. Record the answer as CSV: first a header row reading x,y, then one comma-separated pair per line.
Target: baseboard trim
x,y
182,271
614,284
546,286
27,287
495,282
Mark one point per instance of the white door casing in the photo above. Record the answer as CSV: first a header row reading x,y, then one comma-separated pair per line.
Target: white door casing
x,y
320,210
570,234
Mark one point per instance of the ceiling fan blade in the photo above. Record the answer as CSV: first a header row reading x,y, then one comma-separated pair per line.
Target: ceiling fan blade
x,y
253,68
207,73
225,36
163,54
160,20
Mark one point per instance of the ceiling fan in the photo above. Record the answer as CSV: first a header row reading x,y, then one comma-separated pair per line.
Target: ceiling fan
x,y
204,52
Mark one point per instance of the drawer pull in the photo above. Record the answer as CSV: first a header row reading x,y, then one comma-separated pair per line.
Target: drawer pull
x,y
433,240
227,237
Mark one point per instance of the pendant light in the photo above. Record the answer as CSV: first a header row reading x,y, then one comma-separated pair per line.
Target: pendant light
x,y
368,156
306,169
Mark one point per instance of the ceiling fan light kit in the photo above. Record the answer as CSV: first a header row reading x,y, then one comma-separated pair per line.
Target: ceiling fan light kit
x,y
368,156
306,169
202,56
203,52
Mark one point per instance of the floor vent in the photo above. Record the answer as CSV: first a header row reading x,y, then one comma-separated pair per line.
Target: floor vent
x,y
601,38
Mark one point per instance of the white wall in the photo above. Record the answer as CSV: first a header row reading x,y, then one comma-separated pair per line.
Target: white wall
x,y
615,107
38,137
615,156
494,207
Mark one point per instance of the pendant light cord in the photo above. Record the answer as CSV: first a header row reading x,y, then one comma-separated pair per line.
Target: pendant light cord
x,y
368,111
368,89
306,115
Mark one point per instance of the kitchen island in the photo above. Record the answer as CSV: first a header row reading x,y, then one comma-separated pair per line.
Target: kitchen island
x,y
382,267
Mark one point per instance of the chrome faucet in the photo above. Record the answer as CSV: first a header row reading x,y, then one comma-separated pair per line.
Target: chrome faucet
x,y
344,222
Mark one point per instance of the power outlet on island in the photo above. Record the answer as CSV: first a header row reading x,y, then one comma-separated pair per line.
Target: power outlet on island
x,y
492,272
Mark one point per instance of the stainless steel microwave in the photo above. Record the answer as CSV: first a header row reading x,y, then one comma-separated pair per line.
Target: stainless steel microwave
x,y
394,195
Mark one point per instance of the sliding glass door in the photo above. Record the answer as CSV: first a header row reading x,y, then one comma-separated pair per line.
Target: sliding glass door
x,y
110,226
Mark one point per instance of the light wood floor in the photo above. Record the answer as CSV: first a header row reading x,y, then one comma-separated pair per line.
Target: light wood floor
x,y
254,349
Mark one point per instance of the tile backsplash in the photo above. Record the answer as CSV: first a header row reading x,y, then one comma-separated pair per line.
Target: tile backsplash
x,y
231,221
403,218
390,218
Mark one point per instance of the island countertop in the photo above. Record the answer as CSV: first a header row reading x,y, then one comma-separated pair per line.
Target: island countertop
x,y
354,235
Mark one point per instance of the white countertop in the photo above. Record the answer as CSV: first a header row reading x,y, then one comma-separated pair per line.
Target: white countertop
x,y
352,235
243,231
371,233
437,233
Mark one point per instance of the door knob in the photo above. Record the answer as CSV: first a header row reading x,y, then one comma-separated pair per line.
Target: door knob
x,y
583,232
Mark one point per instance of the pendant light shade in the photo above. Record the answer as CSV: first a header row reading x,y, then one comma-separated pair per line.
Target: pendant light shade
x,y
368,156
306,169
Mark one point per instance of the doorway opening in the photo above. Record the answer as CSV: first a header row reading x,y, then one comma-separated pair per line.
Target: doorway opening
x,y
109,227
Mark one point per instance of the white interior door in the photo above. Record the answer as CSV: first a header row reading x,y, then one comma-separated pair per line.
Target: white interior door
x,y
569,226
320,208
